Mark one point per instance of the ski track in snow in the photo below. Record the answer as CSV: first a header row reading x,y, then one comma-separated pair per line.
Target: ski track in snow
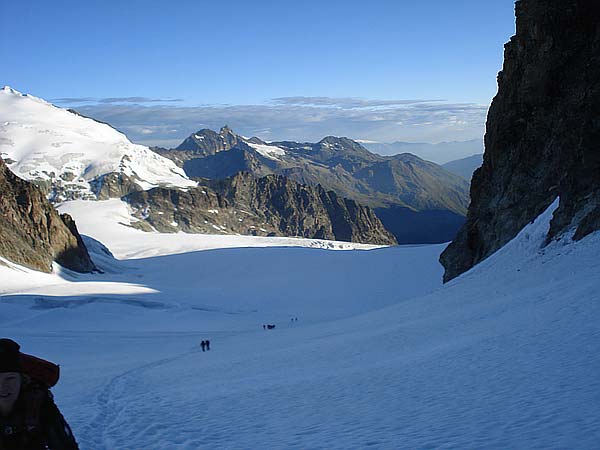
x,y
382,357
110,403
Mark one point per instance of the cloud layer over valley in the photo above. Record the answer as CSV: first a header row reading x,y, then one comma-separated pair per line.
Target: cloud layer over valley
x,y
154,121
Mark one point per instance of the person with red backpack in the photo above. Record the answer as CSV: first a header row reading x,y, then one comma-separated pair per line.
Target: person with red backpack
x,y
29,418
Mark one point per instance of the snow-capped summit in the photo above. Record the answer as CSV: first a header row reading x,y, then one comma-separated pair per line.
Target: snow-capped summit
x,y
46,143
10,90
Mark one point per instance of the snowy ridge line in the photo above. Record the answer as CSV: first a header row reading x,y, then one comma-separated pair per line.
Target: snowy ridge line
x,y
9,90
47,143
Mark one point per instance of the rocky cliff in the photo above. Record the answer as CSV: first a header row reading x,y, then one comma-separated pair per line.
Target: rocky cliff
x,y
543,133
32,233
270,206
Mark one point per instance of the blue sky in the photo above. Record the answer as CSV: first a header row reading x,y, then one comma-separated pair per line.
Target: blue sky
x,y
278,69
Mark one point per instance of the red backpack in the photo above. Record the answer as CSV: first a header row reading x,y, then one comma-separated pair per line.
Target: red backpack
x,y
39,369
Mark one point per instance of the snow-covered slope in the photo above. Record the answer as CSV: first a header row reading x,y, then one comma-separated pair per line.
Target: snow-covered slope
x,y
268,151
109,221
48,143
382,356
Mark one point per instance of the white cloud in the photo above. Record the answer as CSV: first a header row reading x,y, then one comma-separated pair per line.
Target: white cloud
x,y
300,119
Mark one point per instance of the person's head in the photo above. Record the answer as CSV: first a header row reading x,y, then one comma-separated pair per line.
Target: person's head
x,y
10,375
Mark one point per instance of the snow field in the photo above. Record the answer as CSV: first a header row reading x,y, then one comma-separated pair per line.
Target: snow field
x,y
382,356
268,151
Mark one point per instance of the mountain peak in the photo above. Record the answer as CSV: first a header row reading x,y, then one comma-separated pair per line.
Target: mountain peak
x,y
341,141
208,142
334,140
76,152
7,90
10,90
343,145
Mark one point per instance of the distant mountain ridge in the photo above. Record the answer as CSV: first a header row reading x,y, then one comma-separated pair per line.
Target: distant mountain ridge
x,y
338,164
441,153
69,156
77,157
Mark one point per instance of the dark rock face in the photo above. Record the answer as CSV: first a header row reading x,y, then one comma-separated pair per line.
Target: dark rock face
x,y
32,233
543,133
268,206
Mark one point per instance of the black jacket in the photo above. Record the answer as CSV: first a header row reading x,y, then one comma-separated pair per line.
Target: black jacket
x,y
35,423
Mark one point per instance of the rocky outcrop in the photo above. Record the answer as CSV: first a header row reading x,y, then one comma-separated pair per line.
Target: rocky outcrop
x,y
226,164
543,130
114,185
268,206
32,233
